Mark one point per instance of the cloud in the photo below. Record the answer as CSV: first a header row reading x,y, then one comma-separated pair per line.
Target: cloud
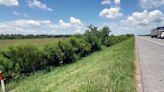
x,y
23,26
20,14
116,2
64,25
147,4
16,13
26,26
23,22
78,31
144,18
38,4
9,2
73,22
139,23
111,13
106,2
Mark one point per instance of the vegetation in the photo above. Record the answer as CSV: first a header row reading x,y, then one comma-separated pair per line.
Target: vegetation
x,y
110,70
31,36
116,39
23,59
35,41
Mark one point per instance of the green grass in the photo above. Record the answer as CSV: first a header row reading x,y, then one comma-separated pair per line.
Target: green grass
x,y
109,70
37,41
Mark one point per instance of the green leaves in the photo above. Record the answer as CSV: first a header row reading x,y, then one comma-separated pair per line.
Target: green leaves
x,y
23,59
54,55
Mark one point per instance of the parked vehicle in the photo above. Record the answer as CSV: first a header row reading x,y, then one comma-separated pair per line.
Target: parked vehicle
x,y
158,32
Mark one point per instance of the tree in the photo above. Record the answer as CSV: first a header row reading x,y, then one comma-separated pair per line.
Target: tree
x,y
93,37
105,35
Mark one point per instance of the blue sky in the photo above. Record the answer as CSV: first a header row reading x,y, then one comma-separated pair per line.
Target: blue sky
x,y
72,16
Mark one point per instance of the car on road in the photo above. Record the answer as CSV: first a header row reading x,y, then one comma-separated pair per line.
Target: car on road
x,y
158,32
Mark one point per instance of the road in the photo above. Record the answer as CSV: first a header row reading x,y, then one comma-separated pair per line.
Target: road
x,y
150,53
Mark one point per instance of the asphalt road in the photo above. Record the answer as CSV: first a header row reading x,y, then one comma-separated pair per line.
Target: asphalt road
x,y
150,53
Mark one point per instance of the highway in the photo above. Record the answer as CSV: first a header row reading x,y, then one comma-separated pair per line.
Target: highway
x,y
150,52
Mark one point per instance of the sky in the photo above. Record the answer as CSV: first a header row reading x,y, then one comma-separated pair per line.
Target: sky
x,y
73,16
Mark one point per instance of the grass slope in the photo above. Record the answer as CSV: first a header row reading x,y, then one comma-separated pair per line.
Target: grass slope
x,y
109,70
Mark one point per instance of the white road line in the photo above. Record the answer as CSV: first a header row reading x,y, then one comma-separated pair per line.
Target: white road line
x,y
153,41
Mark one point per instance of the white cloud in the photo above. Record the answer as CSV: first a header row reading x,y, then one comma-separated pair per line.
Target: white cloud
x,y
111,13
139,23
73,22
38,4
16,13
78,31
144,18
146,4
32,23
62,24
106,2
116,2
9,2
20,14
25,26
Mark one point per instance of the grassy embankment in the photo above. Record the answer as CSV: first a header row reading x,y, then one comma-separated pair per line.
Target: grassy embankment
x,y
109,70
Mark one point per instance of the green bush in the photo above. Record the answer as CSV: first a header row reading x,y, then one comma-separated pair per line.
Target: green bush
x,y
81,47
93,37
7,66
25,59
104,36
94,42
116,39
69,55
54,55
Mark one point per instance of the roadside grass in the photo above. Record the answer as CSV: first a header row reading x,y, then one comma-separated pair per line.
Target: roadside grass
x,y
35,41
109,70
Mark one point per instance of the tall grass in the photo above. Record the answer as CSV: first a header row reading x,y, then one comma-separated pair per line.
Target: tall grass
x,y
36,41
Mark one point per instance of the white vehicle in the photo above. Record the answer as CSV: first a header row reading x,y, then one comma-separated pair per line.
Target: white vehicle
x,y
158,32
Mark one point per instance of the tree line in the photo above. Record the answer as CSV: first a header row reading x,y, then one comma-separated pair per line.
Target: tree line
x,y
30,36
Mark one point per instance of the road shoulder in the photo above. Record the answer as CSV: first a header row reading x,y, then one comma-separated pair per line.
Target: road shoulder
x,y
137,71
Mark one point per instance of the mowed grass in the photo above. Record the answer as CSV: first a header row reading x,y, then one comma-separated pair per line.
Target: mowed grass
x,y
35,41
109,70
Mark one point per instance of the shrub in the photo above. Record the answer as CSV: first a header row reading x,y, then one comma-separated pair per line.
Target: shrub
x,y
116,39
25,59
104,36
54,55
7,66
93,37
93,41
69,56
81,47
